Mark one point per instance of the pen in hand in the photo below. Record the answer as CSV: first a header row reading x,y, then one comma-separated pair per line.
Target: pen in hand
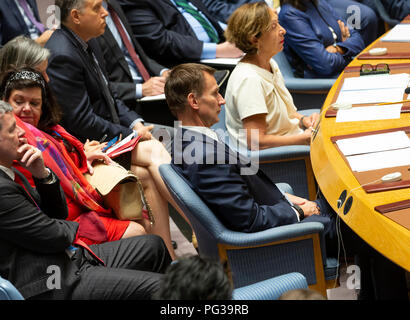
x,y
103,138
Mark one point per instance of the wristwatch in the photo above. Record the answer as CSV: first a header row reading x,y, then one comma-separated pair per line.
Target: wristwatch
x,y
300,211
49,179
301,123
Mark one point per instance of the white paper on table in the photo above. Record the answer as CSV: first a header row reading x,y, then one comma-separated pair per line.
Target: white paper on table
x,y
399,33
379,81
374,143
379,160
225,61
370,96
153,98
369,113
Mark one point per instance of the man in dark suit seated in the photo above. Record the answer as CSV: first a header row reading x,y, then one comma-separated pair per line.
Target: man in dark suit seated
x,y
39,252
91,107
242,196
177,31
130,71
21,17
121,57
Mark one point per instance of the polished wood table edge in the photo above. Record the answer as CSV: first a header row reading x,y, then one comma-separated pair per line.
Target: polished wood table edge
x,y
386,236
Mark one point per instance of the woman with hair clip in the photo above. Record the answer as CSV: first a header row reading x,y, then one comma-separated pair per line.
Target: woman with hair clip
x,y
318,44
29,94
256,96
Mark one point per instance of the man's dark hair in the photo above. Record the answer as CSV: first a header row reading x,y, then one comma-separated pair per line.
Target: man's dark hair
x,y
195,278
182,80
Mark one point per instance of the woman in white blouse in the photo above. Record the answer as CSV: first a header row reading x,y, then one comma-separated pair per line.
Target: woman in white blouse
x,y
256,96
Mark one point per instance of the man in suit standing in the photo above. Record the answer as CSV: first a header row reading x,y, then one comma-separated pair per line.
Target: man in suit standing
x,y
39,251
252,202
132,73
177,31
21,17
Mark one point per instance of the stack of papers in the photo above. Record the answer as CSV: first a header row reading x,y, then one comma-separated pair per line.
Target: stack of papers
x,y
369,113
377,151
125,145
373,89
400,33
224,61
153,98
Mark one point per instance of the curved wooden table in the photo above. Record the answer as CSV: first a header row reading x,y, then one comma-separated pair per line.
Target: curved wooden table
x,y
334,175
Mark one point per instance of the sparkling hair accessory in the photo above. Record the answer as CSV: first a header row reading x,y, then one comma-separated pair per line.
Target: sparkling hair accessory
x,y
26,75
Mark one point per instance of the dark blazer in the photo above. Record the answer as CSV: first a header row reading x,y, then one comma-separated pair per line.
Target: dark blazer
x,y
11,22
246,203
78,89
397,9
115,63
222,9
164,32
307,36
31,240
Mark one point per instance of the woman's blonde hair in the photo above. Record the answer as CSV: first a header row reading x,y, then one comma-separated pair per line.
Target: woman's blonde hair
x,y
248,21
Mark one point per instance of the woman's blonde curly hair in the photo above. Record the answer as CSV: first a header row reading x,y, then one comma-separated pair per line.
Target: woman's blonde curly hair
x,y
248,21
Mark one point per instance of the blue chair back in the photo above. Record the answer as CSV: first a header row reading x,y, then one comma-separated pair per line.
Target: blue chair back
x,y
189,201
8,291
306,93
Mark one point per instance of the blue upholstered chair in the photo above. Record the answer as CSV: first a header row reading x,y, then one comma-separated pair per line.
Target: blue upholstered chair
x,y
288,164
254,257
271,289
8,291
306,93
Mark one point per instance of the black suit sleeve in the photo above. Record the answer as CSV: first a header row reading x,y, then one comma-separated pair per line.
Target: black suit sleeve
x,y
156,38
67,83
230,198
53,201
223,9
22,223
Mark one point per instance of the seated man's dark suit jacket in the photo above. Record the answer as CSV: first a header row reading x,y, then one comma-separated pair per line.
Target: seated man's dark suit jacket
x,y
222,9
397,9
11,22
32,240
163,31
115,64
246,203
78,89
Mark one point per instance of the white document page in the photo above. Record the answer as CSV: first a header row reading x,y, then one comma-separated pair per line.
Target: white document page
x,y
370,96
400,33
225,61
380,81
379,160
122,142
369,113
374,143
153,98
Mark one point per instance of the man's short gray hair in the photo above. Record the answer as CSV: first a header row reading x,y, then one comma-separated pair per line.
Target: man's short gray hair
x,y
67,5
4,108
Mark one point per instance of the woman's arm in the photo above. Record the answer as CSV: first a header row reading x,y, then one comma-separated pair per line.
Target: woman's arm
x,y
262,140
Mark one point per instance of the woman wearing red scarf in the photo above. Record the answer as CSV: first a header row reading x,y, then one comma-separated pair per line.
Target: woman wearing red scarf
x,y
32,101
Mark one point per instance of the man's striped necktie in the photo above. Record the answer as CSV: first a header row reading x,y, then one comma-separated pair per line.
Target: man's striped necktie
x,y
204,23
